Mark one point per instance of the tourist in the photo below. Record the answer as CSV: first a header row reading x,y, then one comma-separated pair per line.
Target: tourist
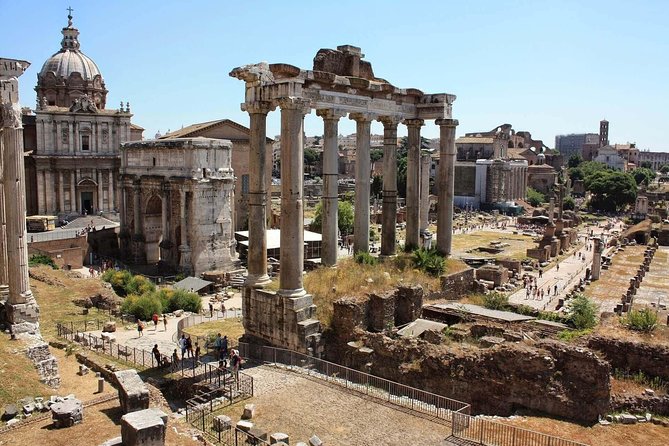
x,y
165,322
541,272
542,294
197,353
217,345
154,318
175,360
182,345
224,347
140,327
156,354
211,309
555,289
557,267
235,364
189,346
223,309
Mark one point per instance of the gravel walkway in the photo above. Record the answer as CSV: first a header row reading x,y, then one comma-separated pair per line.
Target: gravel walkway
x,y
301,407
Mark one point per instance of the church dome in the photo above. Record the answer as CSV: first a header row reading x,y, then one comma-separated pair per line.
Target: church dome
x,y
69,74
67,61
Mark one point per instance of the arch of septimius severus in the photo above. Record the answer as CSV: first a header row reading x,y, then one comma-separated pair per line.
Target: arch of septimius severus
x,y
340,84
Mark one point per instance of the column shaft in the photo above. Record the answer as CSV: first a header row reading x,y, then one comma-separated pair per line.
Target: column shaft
x,y
424,215
446,184
413,184
15,210
292,207
73,191
111,204
41,194
61,193
257,252
100,205
389,210
48,191
362,182
137,209
330,204
4,280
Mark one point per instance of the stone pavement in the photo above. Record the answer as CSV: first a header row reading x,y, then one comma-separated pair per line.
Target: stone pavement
x,y
572,269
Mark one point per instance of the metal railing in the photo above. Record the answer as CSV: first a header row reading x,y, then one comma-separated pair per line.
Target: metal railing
x,y
227,436
428,403
491,433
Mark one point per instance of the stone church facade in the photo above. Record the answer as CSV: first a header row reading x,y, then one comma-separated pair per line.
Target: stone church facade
x,y
75,158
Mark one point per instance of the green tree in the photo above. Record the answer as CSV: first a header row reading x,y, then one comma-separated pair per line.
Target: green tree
x,y
377,186
569,204
582,312
344,218
611,190
402,153
376,154
647,165
643,175
311,157
575,160
664,169
534,197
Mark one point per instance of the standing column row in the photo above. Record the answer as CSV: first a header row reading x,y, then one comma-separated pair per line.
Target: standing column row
x,y
389,211
362,181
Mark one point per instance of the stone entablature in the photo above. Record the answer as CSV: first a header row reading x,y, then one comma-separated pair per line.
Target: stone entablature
x,y
177,197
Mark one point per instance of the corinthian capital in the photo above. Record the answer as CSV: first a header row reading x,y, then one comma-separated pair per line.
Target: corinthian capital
x,y
330,114
362,117
414,122
390,122
447,122
10,116
258,107
294,103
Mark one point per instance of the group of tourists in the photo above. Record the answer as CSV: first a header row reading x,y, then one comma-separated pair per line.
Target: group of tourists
x,y
155,319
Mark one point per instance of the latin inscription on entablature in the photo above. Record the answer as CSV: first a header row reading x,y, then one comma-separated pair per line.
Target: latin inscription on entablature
x,y
322,99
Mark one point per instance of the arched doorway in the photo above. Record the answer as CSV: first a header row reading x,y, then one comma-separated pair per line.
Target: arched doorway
x,y
87,190
153,228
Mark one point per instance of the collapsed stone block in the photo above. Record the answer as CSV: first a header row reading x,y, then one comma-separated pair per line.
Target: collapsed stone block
x,y
132,392
67,413
144,427
278,438
249,411
244,425
222,423
109,327
10,412
315,441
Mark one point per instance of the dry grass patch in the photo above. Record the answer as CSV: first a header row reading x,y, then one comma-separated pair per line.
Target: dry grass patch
x,y
612,328
18,377
350,279
517,249
56,298
232,328
613,283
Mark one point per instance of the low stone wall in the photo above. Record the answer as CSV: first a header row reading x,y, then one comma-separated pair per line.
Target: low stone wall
x,y
550,377
376,312
496,274
541,254
71,251
657,405
512,265
287,322
456,285
634,356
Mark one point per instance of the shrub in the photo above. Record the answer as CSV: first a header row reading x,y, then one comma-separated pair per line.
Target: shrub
x,y
184,300
571,335
429,261
139,285
582,312
365,258
534,197
41,259
495,301
641,320
124,283
142,307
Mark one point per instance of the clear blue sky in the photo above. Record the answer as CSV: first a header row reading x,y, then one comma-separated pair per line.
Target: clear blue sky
x,y
549,67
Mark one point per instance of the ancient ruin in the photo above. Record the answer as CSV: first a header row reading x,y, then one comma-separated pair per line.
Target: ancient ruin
x,y
177,204
20,310
340,84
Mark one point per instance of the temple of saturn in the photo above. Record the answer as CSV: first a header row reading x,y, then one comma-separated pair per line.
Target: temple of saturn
x,y
19,307
340,84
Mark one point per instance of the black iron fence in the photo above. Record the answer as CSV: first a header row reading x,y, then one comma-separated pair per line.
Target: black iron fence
x,y
492,433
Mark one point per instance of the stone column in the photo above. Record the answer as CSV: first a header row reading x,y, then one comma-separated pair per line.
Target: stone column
x,y
41,196
73,191
111,191
137,209
389,216
257,252
413,183
292,189
164,220
446,184
184,249
100,205
424,211
61,194
48,191
4,279
76,196
330,177
22,310
597,249
362,181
